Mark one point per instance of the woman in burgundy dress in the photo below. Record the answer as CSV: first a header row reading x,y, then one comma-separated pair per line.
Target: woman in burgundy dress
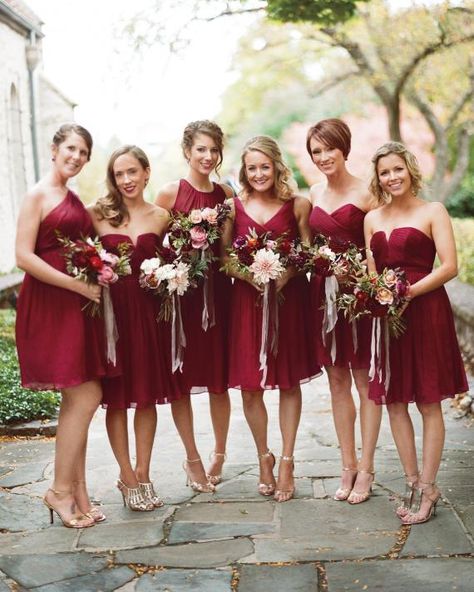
x,y
339,208
59,346
123,216
425,362
267,204
205,356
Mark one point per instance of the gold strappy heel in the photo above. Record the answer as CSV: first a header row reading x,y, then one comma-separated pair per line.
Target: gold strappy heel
x,y
82,521
216,479
342,493
133,498
267,489
148,492
195,486
416,517
284,495
357,497
408,498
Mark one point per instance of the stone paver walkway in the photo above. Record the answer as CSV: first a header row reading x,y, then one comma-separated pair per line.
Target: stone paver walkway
x,y
236,539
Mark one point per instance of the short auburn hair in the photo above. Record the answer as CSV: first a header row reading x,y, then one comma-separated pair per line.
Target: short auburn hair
x,y
332,132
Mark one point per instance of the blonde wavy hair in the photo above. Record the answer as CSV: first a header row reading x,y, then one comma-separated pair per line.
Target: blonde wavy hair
x,y
111,206
410,161
285,185
209,128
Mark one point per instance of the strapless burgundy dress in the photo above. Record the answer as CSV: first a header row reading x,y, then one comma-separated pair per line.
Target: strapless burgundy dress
x,y
425,361
59,345
347,224
294,362
143,345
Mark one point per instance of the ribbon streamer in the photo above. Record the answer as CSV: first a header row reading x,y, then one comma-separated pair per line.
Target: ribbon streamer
x,y
208,318
178,338
270,327
380,334
331,288
111,332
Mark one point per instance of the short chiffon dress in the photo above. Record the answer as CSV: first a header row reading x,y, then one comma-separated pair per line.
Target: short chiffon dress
x,y
425,361
294,362
143,344
59,345
345,224
205,360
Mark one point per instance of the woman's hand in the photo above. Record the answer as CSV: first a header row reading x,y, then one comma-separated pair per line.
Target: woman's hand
x,y
90,291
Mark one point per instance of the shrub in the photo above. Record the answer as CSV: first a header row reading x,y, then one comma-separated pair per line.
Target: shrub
x,y
464,234
16,403
461,204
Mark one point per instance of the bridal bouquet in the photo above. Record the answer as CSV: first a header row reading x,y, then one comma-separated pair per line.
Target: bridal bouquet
x,y
381,295
332,257
88,261
169,276
191,236
264,259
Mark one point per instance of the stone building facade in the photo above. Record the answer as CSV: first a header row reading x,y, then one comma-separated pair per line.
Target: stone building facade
x,y
31,109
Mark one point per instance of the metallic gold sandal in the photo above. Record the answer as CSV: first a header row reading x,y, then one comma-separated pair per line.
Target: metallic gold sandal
x,y
216,479
133,498
148,492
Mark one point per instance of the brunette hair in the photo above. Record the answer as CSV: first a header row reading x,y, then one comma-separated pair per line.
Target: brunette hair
x,y
284,182
203,126
67,128
111,207
332,132
411,163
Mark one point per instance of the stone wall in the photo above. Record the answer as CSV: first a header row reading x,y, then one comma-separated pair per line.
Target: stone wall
x,y
462,302
15,139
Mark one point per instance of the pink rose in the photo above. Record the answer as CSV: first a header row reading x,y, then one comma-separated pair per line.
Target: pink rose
x,y
109,258
107,276
384,296
198,238
390,278
195,216
210,215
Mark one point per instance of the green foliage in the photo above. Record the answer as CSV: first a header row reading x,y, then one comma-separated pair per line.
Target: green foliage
x,y
297,174
461,204
16,403
323,12
464,234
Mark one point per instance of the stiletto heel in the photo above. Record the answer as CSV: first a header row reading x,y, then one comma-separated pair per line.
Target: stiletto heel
x,y
357,497
148,492
216,479
82,522
267,489
417,517
342,493
408,498
195,486
284,495
133,498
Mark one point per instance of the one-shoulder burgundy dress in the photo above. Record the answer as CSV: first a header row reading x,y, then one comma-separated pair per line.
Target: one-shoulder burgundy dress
x,y
425,361
205,363
294,362
59,345
346,224
143,344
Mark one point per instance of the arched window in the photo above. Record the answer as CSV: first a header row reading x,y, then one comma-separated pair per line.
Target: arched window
x,y
15,151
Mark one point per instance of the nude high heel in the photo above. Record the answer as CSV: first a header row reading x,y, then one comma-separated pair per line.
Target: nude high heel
x,y
418,517
216,479
284,495
410,491
95,513
267,489
83,521
195,485
342,493
358,497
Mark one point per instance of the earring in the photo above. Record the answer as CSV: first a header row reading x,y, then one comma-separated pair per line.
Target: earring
x,y
53,158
